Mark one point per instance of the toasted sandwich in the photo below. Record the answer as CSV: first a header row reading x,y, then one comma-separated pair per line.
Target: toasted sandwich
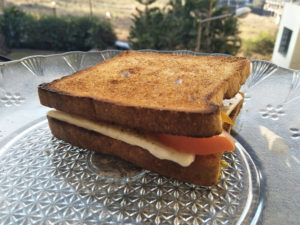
x,y
170,114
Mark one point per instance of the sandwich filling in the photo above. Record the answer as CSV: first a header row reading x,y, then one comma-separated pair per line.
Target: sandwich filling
x,y
129,136
179,149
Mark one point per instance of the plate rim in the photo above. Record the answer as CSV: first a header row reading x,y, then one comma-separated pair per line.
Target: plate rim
x,y
190,52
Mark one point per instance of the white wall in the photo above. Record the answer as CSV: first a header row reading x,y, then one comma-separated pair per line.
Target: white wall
x,y
291,20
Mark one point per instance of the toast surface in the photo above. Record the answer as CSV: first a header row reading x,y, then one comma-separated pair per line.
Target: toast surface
x,y
176,94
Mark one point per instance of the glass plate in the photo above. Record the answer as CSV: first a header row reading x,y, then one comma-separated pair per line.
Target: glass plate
x,y
44,180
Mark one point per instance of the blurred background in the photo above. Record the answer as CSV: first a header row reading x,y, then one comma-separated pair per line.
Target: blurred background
x,y
34,27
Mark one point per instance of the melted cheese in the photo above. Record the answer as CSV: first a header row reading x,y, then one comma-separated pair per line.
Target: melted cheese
x,y
128,136
230,104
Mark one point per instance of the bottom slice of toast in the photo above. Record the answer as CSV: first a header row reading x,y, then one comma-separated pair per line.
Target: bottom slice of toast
x,y
203,171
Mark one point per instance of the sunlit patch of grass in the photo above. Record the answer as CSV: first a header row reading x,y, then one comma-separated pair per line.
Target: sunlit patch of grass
x,y
262,44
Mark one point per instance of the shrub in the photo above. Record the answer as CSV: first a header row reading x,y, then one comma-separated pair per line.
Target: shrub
x,y
101,36
16,26
22,30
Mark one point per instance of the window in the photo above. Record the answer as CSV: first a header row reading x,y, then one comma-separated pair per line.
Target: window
x,y
285,41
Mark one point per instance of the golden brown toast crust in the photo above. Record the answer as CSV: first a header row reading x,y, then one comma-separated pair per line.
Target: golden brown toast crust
x,y
176,94
203,171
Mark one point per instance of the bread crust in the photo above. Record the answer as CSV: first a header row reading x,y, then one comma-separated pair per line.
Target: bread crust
x,y
198,124
203,171
204,122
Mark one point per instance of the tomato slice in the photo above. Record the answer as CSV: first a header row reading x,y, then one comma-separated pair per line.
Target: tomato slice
x,y
199,146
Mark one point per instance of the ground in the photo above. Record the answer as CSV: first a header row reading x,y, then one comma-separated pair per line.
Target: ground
x,y
252,26
120,14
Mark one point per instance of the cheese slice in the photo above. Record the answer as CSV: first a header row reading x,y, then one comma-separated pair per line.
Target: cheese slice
x,y
230,104
138,139
128,136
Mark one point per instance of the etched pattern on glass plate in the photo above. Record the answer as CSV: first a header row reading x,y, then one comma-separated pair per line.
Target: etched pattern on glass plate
x,y
74,61
45,180
261,70
34,65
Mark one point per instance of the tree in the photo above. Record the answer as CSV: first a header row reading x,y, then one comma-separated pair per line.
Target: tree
x,y
175,27
148,25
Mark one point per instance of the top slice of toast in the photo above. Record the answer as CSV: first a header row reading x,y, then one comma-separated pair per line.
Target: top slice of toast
x,y
176,94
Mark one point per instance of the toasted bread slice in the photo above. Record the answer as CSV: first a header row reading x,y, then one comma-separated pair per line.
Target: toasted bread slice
x,y
204,170
164,93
